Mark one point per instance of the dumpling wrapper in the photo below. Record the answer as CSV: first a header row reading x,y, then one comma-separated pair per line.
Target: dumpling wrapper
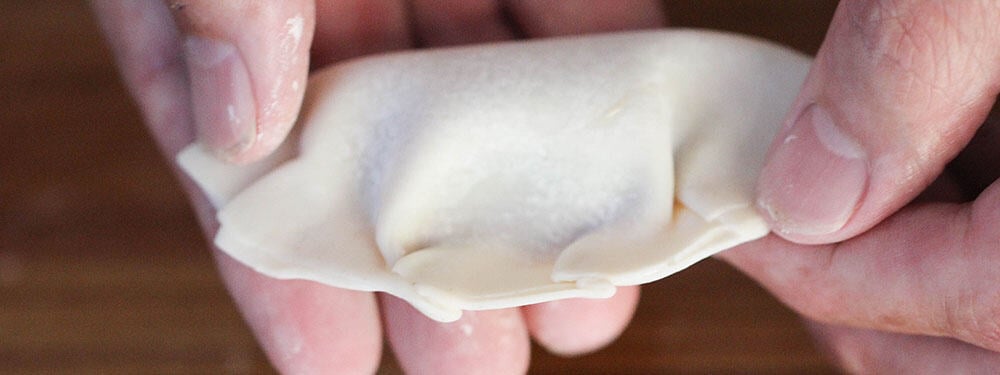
x,y
507,174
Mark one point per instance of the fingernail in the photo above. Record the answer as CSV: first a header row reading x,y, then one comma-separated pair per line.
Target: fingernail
x,y
815,178
221,96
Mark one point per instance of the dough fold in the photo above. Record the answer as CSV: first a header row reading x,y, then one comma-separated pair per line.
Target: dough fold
x,y
507,174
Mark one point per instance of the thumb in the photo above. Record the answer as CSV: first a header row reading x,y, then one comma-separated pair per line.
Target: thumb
x,y
246,63
897,90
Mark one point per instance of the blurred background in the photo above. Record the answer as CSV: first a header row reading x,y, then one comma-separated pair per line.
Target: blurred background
x,y
103,267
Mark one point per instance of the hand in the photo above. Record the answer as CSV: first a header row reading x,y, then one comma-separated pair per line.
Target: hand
x,y
232,73
898,89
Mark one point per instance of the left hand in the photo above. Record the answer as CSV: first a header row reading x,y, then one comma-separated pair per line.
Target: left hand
x,y
234,72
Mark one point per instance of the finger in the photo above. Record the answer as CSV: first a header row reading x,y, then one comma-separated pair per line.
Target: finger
x,y
303,327
247,65
577,326
350,28
481,342
306,327
930,269
550,18
148,51
861,351
449,22
896,91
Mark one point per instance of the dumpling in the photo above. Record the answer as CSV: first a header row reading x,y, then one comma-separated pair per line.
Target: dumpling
x,y
507,174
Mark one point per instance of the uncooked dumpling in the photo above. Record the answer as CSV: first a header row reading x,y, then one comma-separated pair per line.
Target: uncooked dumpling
x,y
507,174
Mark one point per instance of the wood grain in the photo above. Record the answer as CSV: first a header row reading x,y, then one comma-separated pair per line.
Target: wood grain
x,y
103,268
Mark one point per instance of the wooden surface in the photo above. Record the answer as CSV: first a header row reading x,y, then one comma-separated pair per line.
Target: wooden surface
x,y
103,269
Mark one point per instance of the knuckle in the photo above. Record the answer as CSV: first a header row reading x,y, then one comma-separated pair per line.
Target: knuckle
x,y
920,61
989,325
903,37
976,320
925,45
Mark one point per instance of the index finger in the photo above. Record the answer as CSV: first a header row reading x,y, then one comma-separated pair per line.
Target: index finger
x,y
931,269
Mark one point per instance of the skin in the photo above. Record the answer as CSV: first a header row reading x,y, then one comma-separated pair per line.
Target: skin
x,y
187,62
903,278
891,256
